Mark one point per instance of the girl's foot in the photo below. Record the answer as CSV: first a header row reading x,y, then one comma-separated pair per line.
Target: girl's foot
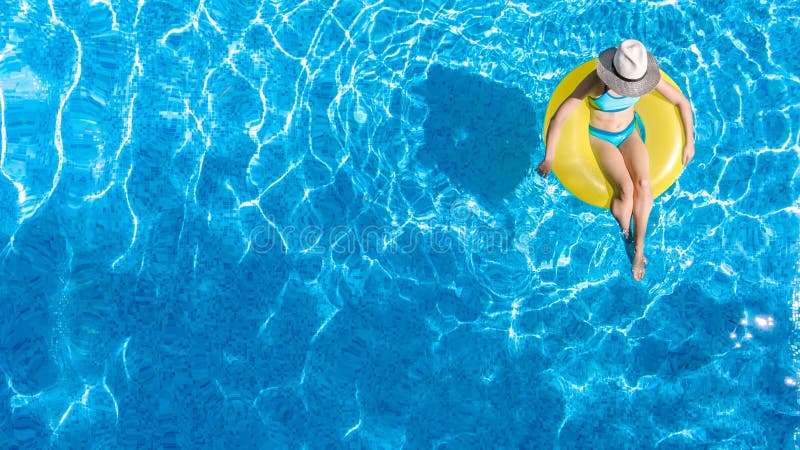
x,y
639,264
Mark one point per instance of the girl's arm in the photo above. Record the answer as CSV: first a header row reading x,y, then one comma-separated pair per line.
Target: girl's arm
x,y
562,113
677,98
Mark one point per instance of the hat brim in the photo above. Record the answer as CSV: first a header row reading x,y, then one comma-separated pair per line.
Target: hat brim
x,y
606,72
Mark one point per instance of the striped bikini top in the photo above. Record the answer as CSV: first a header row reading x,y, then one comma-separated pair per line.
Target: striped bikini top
x,y
610,103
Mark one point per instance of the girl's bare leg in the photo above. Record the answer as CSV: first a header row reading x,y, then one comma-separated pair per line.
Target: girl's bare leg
x,y
616,171
638,162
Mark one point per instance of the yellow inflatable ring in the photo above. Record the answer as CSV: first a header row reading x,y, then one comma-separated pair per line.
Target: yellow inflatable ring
x,y
575,164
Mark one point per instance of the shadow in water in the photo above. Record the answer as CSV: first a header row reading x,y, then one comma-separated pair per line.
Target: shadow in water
x,y
478,132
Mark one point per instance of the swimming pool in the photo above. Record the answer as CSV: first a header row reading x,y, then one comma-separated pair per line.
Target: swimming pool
x,y
234,224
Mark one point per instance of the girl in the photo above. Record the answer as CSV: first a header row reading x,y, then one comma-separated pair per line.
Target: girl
x,y
623,74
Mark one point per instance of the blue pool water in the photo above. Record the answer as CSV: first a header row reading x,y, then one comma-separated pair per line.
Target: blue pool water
x,y
280,224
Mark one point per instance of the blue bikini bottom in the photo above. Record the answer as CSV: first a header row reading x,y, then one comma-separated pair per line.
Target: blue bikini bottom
x,y
617,138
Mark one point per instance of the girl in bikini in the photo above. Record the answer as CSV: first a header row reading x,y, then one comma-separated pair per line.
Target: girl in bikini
x,y
617,136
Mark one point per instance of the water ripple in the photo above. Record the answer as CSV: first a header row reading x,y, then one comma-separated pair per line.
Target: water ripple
x,y
316,223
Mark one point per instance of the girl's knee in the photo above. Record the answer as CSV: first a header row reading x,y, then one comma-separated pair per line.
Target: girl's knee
x,y
644,188
625,191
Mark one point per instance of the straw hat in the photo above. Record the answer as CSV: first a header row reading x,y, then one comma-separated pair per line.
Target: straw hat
x,y
629,69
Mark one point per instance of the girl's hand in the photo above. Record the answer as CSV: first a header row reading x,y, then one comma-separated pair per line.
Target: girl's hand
x,y
544,167
688,154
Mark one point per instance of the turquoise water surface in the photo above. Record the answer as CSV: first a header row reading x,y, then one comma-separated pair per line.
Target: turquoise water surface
x,y
280,224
